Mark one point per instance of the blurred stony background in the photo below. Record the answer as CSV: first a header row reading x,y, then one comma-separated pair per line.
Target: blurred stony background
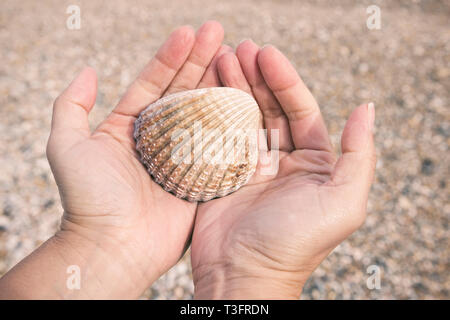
x,y
404,68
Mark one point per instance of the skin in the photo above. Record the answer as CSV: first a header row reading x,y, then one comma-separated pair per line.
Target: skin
x,y
263,241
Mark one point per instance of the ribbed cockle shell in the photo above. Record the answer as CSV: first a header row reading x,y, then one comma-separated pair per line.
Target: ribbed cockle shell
x,y
200,144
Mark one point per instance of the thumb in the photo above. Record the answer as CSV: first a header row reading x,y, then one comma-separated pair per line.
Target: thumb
x,y
354,171
356,166
71,108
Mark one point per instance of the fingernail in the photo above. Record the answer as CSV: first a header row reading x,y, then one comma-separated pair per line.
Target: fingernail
x,y
266,46
371,115
243,40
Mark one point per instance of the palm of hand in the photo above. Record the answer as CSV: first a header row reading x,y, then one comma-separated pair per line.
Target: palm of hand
x,y
111,193
270,220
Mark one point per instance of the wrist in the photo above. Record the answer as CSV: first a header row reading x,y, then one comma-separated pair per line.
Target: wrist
x,y
68,266
106,268
225,283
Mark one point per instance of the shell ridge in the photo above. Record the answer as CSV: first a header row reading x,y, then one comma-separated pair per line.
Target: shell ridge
x,y
154,108
201,169
171,97
188,168
221,158
180,145
176,109
229,147
160,176
235,124
222,180
219,191
186,119
202,194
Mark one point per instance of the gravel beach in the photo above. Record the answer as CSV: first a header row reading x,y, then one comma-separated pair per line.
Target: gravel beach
x,y
404,67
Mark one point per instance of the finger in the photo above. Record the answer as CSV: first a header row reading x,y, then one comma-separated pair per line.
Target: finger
x,y
274,117
356,166
208,40
354,171
231,74
70,110
158,73
308,129
211,76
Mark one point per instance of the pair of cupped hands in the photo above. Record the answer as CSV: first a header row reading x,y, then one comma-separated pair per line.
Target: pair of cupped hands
x,y
262,241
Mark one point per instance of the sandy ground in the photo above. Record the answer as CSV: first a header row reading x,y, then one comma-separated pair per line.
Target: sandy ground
x,y
404,67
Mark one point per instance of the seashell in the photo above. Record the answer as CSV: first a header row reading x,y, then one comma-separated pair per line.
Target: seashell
x,y
200,144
